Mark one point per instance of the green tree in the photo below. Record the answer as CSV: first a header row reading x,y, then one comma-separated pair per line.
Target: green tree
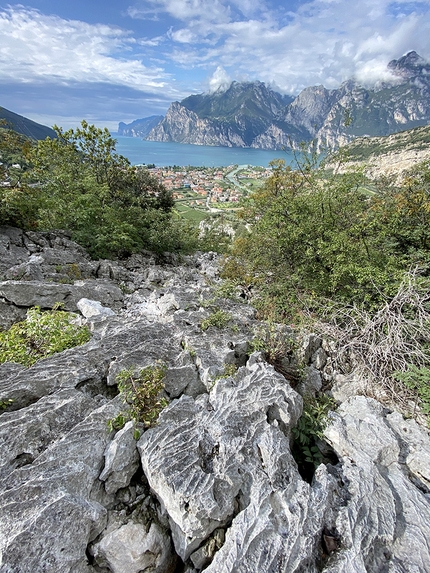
x,y
111,207
18,201
313,236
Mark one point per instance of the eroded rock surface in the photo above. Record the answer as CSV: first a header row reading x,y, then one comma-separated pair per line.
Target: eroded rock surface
x,y
214,485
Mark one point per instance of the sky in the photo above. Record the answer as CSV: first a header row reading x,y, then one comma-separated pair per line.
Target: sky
x,y
108,61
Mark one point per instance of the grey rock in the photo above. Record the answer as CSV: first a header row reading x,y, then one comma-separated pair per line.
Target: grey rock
x,y
385,520
48,525
131,549
47,295
121,460
91,308
311,382
213,436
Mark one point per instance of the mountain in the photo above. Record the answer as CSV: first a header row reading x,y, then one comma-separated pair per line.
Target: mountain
x,y
139,127
232,117
24,125
250,114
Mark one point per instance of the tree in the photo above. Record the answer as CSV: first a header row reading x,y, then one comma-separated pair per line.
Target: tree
x,y
314,235
111,207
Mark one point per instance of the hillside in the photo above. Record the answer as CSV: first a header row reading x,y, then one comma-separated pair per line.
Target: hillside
x,y
25,126
217,485
389,155
139,127
250,114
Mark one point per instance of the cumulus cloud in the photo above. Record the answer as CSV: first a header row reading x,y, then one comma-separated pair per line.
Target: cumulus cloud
x,y
322,41
36,47
219,80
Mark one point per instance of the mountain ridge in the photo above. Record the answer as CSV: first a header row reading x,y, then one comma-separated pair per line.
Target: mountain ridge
x,y
250,114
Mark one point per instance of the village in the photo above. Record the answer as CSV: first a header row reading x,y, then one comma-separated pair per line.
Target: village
x,y
199,190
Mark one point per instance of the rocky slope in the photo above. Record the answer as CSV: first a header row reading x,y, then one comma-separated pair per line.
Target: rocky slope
x,y
252,115
214,485
25,126
388,156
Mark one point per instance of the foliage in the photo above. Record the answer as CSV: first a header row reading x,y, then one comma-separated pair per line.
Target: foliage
x,y
18,201
5,403
141,391
218,318
317,236
78,182
277,343
389,345
417,380
310,428
40,335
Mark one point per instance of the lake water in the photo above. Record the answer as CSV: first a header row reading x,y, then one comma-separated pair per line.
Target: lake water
x,y
162,154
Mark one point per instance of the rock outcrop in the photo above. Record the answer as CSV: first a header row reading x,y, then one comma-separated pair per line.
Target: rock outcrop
x,y
214,485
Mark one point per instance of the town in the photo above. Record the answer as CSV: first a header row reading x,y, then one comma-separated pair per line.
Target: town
x,y
199,191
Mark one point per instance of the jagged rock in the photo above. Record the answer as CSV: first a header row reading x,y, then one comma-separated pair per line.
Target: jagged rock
x,y
121,460
224,485
131,549
47,295
385,520
47,513
218,438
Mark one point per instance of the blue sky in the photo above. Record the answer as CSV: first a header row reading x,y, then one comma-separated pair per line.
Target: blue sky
x,y
108,60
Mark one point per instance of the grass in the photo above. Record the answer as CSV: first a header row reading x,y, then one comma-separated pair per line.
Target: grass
x,y
193,215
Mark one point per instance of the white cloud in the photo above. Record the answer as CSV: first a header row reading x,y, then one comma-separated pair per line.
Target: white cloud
x,y
324,41
219,80
36,47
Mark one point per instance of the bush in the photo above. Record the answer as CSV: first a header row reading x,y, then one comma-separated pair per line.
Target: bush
x,y
142,392
219,319
40,335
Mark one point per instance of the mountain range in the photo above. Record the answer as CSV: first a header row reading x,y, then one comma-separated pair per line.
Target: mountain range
x,y
251,114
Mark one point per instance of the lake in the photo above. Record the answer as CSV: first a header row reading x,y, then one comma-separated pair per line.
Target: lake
x,y
162,154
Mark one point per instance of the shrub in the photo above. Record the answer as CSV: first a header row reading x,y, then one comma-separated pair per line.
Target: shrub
x,y
41,335
219,319
310,428
142,392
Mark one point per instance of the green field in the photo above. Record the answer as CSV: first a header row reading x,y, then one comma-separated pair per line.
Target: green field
x,y
189,213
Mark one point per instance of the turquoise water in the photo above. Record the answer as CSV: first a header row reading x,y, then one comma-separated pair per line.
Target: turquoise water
x,y
162,154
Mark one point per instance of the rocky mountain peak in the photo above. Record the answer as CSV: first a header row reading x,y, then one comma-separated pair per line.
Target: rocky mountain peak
x,y
409,66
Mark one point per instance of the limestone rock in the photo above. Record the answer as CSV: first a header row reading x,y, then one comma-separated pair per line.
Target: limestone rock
x,y
385,520
90,308
121,460
47,295
131,549
213,437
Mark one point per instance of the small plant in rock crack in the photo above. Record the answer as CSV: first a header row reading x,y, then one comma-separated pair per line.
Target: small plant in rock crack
x,y
219,319
5,403
142,392
310,428
278,345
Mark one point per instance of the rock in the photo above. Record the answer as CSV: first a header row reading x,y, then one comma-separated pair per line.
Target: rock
x,y
49,524
91,308
121,459
131,549
385,520
216,438
47,295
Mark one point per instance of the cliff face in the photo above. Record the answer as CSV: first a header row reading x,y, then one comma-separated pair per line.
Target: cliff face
x,y
139,127
252,115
